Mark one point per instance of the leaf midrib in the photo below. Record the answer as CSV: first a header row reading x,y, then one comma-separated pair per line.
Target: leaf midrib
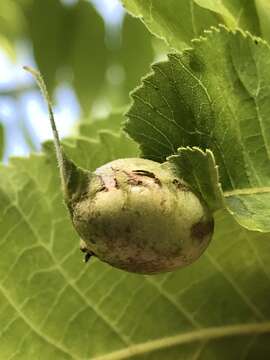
x,y
247,191
210,333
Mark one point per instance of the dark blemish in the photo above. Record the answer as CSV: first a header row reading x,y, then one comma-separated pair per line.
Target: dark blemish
x,y
202,229
134,181
116,183
144,173
97,213
83,248
180,185
103,186
163,202
88,254
256,42
147,174
157,181
128,229
87,257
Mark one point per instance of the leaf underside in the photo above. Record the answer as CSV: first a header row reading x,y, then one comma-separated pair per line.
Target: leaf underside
x,y
200,111
54,306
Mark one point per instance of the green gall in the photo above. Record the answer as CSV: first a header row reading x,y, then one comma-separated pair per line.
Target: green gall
x,y
134,214
137,216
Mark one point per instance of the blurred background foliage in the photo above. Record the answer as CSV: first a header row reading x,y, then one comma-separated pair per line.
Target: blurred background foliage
x,y
90,53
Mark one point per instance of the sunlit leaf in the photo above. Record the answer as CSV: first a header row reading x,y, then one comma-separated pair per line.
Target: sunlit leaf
x,y
91,128
52,305
49,30
214,96
11,20
180,21
234,13
263,10
136,52
69,45
205,110
88,53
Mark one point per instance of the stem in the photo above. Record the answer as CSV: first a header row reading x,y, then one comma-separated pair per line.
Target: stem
x,y
74,179
60,155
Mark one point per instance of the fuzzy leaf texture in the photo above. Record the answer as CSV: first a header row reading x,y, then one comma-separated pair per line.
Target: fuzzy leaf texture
x,y
215,96
54,306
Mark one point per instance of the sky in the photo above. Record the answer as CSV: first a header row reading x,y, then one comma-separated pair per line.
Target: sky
x,y
27,114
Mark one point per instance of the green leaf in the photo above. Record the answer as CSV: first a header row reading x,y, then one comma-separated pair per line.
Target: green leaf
x,y
49,30
125,66
198,168
69,45
115,145
135,41
108,131
92,128
214,96
54,306
11,20
88,53
12,26
177,22
2,144
7,46
92,153
263,10
234,13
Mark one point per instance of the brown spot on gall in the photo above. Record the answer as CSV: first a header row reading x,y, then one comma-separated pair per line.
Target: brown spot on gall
x,y
147,174
201,229
180,185
128,229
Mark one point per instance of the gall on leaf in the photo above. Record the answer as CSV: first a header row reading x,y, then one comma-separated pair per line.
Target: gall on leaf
x,y
134,214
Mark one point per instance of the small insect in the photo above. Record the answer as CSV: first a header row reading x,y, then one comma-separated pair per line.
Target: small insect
x,y
134,214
